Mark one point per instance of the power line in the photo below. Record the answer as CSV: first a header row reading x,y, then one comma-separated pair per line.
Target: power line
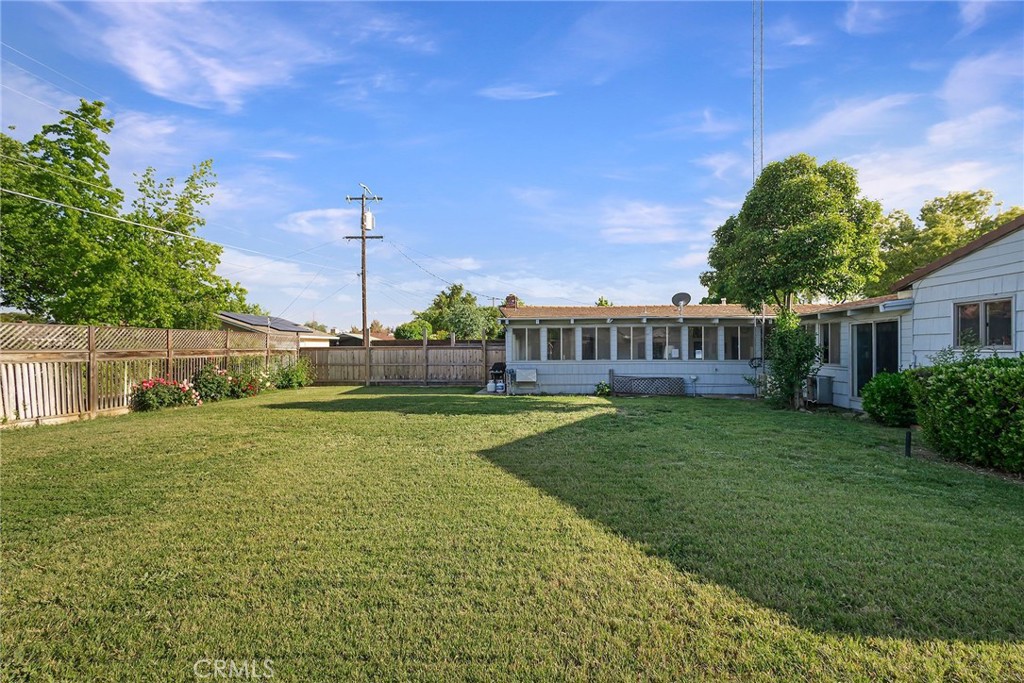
x,y
14,49
46,104
168,232
434,275
44,80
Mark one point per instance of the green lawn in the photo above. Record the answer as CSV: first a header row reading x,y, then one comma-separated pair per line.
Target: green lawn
x,y
435,535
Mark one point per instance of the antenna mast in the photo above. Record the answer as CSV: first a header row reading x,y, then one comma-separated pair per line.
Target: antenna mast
x,y
757,75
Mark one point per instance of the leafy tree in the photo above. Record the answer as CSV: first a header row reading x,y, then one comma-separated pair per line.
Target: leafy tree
x,y
948,223
455,311
59,263
601,301
82,265
803,231
413,330
314,325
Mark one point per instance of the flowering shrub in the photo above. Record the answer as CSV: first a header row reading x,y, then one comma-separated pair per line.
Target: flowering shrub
x,y
247,384
158,392
212,383
973,410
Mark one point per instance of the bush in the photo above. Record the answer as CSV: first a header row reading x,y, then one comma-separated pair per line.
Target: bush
x,y
792,355
973,410
212,383
245,384
298,374
155,393
603,389
887,398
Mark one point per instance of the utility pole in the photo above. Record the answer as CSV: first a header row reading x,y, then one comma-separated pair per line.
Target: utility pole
x,y
365,224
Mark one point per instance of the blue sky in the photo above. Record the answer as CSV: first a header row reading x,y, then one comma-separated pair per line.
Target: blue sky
x,y
560,151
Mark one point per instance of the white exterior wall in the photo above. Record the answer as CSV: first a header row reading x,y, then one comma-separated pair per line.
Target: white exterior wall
x,y
842,373
995,271
714,377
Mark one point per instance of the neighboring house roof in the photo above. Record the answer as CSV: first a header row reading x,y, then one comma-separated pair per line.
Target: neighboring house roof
x,y
690,311
276,324
971,247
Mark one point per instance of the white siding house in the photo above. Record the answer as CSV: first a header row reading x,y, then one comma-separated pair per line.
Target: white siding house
x,y
975,293
569,349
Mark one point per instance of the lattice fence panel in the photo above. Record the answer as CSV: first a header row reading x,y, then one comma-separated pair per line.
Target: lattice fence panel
x,y
249,340
648,386
282,342
25,337
197,339
130,338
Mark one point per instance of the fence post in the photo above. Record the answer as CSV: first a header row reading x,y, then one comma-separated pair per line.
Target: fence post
x,y
483,347
170,355
426,359
266,357
611,380
93,374
227,347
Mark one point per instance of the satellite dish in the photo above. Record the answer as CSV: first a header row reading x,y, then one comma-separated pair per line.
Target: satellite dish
x,y
680,299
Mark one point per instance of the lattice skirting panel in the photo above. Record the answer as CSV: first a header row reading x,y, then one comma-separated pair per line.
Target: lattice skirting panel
x,y
648,386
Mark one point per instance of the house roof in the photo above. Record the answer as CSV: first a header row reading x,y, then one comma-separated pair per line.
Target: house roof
x,y
860,303
969,248
690,311
276,324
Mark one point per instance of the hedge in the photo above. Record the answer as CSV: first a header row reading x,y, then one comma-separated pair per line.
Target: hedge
x,y
973,410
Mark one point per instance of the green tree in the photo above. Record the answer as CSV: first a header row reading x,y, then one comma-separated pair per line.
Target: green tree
x,y
413,329
455,311
83,265
803,232
601,301
61,263
314,325
948,223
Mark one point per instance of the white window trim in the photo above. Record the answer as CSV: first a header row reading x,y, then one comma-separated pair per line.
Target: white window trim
x,y
982,323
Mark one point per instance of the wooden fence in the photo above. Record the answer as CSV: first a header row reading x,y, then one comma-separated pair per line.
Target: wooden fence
x,y
465,364
60,373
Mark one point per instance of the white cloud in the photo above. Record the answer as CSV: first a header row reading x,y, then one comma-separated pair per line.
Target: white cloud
x,y
847,119
973,15
259,272
323,222
984,126
204,55
863,18
276,154
906,178
722,165
28,103
465,263
640,223
515,91
690,260
786,32
726,204
976,82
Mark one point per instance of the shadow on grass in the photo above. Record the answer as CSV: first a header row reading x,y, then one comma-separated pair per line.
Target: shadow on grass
x,y
815,516
431,401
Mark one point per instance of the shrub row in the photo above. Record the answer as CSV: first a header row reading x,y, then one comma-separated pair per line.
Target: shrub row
x,y
212,383
971,410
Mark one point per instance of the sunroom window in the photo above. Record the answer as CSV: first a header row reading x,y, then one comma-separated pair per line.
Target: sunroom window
x,y
597,343
703,343
631,343
667,342
526,343
739,342
561,343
